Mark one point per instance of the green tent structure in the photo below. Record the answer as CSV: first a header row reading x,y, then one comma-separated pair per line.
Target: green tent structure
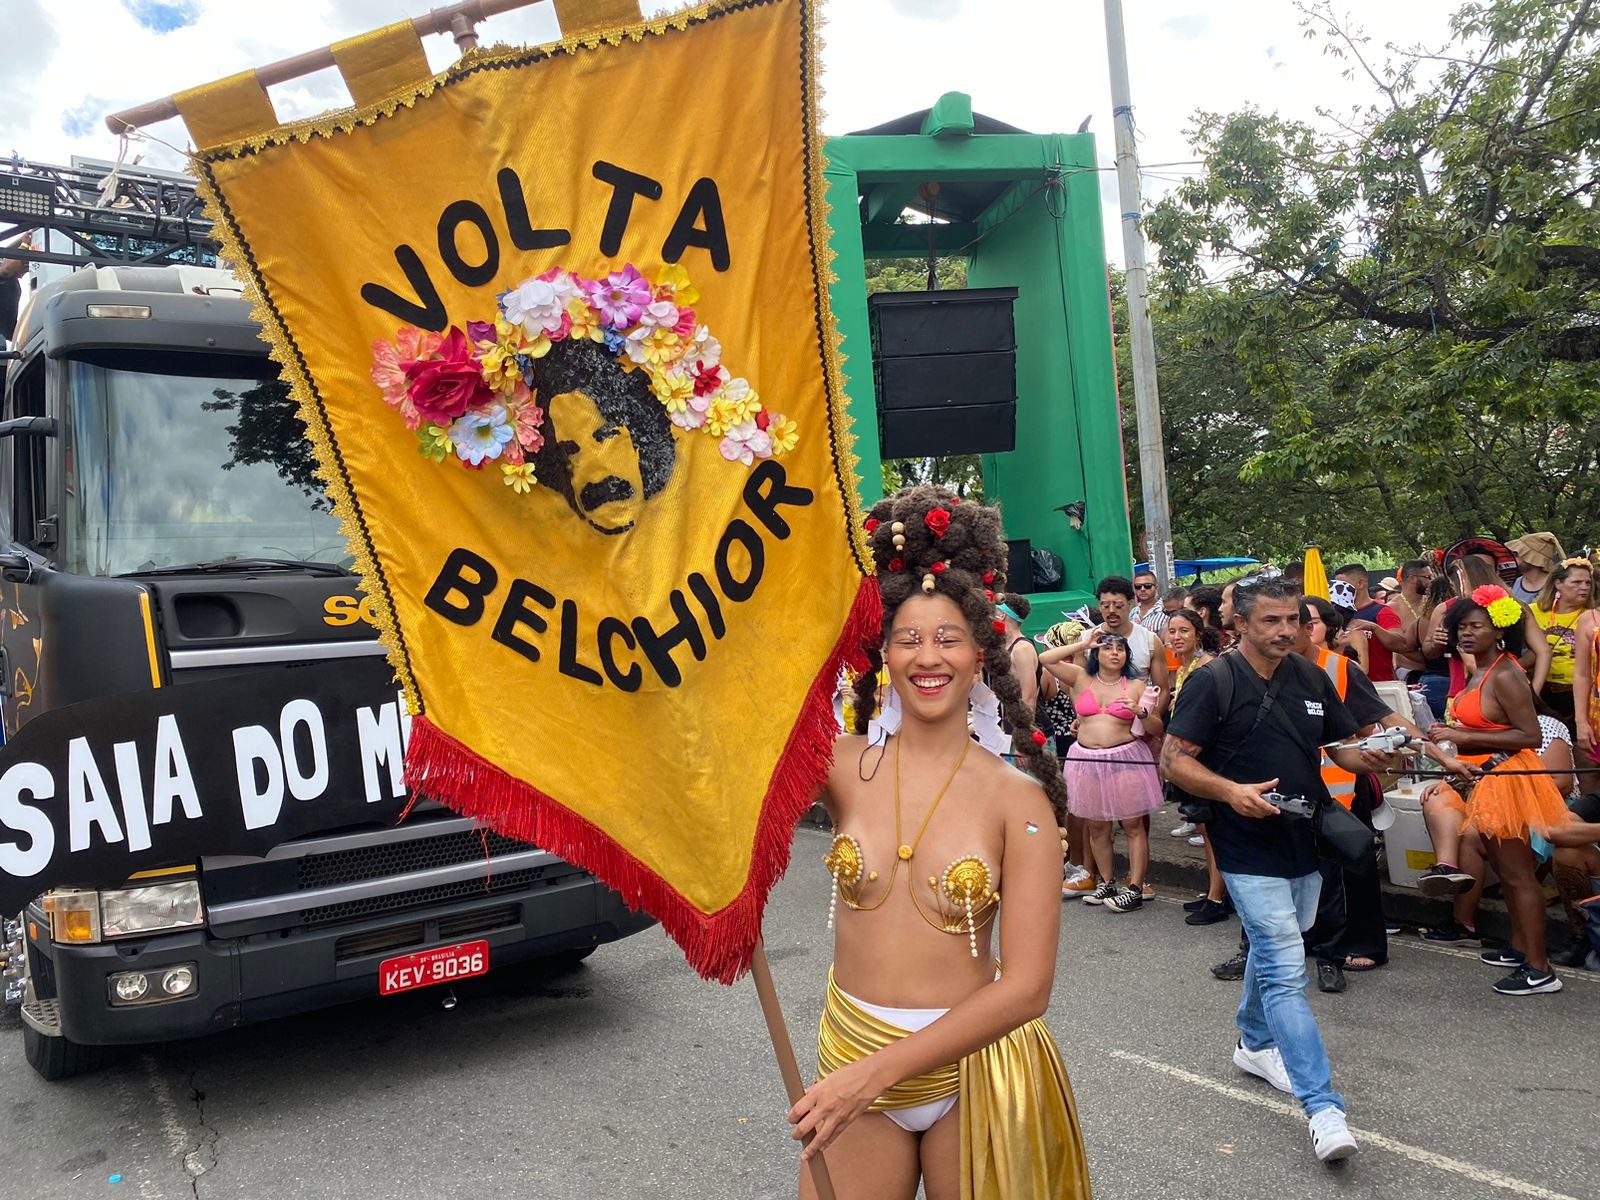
x,y
1024,210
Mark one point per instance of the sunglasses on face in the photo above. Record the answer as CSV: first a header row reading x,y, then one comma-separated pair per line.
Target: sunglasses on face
x,y
1143,587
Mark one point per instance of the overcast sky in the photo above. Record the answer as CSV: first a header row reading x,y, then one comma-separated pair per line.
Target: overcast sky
x,y
1036,64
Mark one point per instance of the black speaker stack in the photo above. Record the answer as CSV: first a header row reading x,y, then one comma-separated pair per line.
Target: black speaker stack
x,y
945,365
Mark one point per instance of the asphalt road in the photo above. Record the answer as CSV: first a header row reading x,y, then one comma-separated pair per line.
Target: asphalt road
x,y
630,1078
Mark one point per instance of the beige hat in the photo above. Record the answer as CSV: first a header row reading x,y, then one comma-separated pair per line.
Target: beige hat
x,y
1538,550
1389,583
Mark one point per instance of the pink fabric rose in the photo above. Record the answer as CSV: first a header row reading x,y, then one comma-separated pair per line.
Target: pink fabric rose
x,y
445,386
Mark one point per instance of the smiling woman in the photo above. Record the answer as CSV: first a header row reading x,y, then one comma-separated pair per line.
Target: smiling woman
x,y
946,1076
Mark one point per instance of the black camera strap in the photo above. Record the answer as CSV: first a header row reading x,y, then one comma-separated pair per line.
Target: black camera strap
x,y
1269,702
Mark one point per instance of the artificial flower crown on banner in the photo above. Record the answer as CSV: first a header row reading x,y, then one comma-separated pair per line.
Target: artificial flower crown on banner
x,y
470,395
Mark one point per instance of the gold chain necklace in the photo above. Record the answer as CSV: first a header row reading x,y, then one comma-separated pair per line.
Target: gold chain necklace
x,y
845,861
905,852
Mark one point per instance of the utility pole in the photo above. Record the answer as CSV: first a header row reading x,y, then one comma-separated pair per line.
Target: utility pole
x,y
1147,401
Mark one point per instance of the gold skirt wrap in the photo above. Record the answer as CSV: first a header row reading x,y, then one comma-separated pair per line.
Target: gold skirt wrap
x,y
1019,1125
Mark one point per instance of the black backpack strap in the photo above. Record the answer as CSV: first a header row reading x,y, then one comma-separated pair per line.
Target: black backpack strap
x,y
1269,702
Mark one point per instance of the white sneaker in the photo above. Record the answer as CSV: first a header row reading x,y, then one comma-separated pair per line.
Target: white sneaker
x,y
1197,840
1075,874
1185,829
1264,1064
1330,1136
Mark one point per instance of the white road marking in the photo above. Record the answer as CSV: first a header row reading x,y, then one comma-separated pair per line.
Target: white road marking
x,y
1429,1158
171,1118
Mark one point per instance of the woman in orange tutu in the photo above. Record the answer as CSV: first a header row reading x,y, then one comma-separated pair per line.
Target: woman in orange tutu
x,y
1494,724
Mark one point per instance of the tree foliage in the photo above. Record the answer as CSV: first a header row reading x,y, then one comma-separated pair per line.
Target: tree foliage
x,y
1397,310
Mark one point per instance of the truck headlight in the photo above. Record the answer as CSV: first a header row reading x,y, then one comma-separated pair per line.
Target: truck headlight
x,y
154,908
74,915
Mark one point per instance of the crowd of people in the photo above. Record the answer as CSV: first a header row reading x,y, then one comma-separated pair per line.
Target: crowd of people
x,y
1256,708
1521,695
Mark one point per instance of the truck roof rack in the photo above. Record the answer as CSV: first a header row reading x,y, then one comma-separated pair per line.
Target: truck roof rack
x,y
105,213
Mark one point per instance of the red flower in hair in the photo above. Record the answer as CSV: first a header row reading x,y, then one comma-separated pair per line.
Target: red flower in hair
x,y
999,626
872,524
988,577
1038,738
897,564
989,594
938,520
1487,594
939,568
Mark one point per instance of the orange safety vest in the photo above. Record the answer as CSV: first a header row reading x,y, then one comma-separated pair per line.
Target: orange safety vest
x,y
1341,784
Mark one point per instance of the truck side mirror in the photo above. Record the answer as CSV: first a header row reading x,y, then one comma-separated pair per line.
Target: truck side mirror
x,y
28,427
16,568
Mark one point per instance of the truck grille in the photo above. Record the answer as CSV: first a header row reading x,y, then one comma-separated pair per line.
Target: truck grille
x,y
355,910
346,877
399,858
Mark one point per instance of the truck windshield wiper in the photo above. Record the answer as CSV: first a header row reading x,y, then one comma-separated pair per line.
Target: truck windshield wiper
x,y
228,566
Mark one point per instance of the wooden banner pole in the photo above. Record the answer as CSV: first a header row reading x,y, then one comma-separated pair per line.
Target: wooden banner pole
x,y
783,1049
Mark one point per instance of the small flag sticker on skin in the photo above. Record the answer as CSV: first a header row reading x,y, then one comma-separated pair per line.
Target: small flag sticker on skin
x,y
1031,827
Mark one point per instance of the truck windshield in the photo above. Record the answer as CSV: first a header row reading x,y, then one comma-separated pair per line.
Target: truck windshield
x,y
187,458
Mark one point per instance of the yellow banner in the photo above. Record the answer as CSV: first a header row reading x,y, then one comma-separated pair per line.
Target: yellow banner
x,y
558,326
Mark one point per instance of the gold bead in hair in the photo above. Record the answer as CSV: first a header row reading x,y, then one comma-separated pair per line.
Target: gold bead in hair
x,y
927,583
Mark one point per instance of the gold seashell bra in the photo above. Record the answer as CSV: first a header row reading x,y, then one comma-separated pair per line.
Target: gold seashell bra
x,y
964,897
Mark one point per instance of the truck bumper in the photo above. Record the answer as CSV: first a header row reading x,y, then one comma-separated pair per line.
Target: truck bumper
x,y
259,977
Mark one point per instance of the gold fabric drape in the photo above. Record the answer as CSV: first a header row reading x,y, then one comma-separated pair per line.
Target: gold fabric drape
x,y
1019,1124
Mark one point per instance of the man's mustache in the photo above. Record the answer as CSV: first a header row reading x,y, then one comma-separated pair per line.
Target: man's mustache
x,y
604,491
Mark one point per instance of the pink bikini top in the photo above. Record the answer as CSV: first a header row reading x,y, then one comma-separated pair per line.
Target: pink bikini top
x,y
1089,706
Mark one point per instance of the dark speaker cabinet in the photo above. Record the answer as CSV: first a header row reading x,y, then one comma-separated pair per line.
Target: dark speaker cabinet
x,y
945,368
1019,565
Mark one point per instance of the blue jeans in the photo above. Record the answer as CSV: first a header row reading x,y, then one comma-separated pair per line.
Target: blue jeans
x,y
1436,690
1275,1011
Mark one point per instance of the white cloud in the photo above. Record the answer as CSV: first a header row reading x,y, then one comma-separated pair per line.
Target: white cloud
x,y
1036,64
927,10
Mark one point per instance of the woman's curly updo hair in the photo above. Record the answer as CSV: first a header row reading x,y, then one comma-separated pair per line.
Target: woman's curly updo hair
x,y
926,540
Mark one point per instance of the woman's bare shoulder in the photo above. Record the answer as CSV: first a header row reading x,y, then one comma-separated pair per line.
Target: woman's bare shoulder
x,y
1012,790
849,749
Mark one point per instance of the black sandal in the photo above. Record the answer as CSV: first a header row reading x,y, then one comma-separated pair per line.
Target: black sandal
x,y
1330,978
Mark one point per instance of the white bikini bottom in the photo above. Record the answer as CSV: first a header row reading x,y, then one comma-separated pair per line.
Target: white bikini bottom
x,y
921,1118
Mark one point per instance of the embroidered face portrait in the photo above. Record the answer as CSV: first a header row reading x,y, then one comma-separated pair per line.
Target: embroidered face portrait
x,y
608,443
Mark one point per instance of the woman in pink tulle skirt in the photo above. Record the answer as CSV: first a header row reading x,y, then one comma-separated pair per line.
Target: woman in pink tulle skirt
x,y
1109,771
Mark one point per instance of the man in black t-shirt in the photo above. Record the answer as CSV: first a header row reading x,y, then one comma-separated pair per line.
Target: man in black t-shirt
x,y
1232,756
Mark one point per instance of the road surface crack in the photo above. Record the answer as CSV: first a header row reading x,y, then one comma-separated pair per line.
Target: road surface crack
x,y
203,1157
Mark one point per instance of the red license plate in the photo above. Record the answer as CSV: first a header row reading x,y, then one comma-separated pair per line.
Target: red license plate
x,y
428,967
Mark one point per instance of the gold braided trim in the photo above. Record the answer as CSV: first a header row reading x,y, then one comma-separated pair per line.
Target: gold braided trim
x,y
832,341
848,1033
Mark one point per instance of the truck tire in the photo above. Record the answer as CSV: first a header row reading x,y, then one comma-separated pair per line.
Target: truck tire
x,y
57,1058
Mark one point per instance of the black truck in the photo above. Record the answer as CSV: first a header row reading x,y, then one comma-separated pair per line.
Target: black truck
x,y
160,523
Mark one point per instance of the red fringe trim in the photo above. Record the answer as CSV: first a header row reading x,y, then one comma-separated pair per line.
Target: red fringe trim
x,y
718,945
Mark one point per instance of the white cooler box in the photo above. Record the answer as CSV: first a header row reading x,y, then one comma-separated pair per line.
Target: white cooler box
x,y
1406,846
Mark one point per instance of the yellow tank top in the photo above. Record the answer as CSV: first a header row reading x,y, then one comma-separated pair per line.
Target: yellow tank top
x,y
1560,629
